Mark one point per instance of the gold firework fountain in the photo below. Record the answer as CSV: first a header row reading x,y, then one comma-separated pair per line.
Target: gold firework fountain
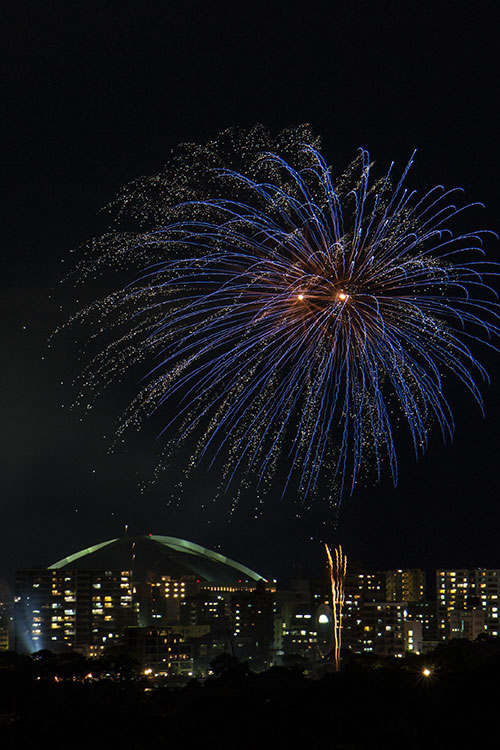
x,y
337,571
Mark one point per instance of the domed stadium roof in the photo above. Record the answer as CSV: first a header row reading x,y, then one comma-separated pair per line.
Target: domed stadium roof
x,y
162,555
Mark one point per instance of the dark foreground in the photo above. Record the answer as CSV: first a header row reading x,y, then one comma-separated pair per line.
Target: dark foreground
x,y
370,704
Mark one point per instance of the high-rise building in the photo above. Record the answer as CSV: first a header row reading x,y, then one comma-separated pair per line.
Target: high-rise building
x,y
405,585
207,608
361,588
465,590
383,628
299,632
160,597
380,610
65,610
252,621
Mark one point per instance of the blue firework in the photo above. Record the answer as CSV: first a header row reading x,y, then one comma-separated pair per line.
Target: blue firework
x,y
296,319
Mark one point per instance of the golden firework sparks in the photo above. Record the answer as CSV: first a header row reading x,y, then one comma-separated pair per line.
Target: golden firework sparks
x,y
337,572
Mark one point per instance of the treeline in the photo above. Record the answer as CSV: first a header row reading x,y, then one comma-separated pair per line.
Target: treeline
x,y
443,700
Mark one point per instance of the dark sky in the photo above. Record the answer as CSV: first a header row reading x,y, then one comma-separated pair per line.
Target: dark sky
x,y
97,94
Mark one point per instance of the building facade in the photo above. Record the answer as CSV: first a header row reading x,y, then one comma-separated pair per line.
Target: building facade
x,y
467,590
72,610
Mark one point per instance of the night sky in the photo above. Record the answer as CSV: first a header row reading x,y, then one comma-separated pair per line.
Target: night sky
x,y
98,94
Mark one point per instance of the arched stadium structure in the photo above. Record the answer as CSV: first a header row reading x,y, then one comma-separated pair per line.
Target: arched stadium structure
x,y
162,555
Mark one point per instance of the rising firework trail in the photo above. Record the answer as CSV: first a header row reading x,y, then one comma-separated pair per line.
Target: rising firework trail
x,y
337,571
294,321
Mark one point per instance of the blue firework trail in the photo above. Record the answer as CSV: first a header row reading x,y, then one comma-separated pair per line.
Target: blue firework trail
x,y
297,320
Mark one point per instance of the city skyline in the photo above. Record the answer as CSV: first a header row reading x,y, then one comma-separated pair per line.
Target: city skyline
x,y
89,601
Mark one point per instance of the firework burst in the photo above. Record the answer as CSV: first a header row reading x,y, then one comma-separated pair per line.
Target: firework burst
x,y
295,319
